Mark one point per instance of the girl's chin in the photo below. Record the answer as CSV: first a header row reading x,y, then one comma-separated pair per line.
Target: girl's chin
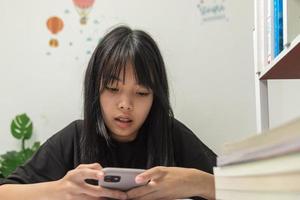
x,y
123,138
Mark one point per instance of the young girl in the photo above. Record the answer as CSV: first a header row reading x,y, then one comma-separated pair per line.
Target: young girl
x,y
128,122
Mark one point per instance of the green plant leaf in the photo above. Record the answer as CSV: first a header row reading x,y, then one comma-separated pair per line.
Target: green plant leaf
x,y
9,162
12,159
21,127
36,146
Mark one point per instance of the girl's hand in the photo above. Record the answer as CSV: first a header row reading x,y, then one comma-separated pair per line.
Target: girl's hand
x,y
173,183
73,185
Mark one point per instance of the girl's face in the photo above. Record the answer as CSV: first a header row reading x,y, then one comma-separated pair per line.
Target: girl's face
x,y
125,106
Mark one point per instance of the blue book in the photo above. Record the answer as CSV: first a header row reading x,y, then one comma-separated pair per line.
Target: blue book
x,y
278,27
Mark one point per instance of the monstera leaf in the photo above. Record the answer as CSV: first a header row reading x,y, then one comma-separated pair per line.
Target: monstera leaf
x,y
21,127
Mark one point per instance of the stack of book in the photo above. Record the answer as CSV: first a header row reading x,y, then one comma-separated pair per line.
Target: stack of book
x,y
264,166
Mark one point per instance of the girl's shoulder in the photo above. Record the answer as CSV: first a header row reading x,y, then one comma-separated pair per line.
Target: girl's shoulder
x,y
190,150
182,134
180,129
73,127
69,134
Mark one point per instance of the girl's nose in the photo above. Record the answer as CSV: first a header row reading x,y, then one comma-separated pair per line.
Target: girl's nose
x,y
125,104
125,107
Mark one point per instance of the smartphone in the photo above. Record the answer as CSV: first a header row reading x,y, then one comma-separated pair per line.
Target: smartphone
x,y
120,178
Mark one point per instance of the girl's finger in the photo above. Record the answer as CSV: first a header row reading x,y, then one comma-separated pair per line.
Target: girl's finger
x,y
86,197
141,191
150,174
149,196
98,191
85,173
90,166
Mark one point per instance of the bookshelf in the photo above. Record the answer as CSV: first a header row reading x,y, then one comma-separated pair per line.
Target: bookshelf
x,y
267,165
285,66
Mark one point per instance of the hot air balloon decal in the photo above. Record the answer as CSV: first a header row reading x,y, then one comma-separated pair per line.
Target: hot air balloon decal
x,y
83,7
55,25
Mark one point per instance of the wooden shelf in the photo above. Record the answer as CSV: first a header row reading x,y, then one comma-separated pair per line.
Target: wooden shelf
x,y
286,65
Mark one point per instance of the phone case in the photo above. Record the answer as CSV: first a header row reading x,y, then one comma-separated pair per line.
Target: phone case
x,y
120,178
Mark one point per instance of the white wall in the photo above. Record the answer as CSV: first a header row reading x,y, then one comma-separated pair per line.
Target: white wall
x,y
210,63
284,101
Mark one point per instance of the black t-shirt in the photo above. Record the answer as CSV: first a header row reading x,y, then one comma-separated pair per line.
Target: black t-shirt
x,y
61,153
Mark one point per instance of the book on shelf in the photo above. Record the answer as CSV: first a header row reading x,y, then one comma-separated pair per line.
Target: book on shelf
x,y
278,26
270,32
264,166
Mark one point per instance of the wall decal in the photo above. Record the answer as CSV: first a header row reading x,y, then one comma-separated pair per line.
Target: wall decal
x,y
54,25
212,10
83,8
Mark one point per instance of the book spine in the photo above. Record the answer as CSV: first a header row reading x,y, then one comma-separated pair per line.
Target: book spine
x,y
278,26
270,32
285,22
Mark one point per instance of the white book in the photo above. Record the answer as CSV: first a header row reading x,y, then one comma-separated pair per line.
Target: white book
x,y
281,134
279,164
248,195
280,182
291,21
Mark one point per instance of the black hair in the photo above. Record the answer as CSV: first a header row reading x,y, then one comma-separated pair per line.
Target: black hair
x,y
118,47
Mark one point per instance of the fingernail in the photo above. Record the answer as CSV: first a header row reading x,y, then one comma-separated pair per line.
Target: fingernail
x,y
100,174
139,179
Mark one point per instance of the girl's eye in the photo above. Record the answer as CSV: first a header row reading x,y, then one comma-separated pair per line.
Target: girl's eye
x,y
112,89
143,93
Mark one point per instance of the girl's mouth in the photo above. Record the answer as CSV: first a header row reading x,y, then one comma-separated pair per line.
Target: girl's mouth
x,y
123,119
123,122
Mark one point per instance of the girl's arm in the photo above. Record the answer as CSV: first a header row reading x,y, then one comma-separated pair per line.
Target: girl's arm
x,y
42,191
71,186
172,183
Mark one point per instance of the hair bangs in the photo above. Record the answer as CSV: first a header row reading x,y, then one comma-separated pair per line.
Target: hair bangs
x,y
124,54
144,70
115,63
